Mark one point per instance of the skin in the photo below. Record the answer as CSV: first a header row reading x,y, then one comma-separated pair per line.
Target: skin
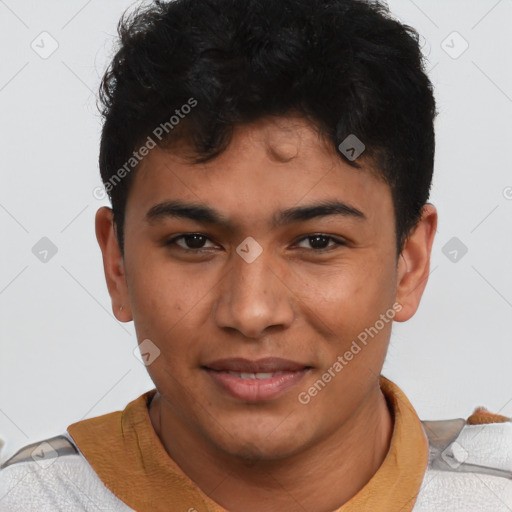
x,y
294,301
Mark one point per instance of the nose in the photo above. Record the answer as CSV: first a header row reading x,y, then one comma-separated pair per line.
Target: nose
x,y
253,297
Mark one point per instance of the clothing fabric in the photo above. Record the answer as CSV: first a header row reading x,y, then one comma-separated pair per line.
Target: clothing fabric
x,y
116,462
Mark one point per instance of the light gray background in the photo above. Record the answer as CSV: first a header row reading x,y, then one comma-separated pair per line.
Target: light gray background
x,y
64,357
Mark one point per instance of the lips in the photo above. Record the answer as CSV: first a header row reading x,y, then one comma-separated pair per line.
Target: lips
x,y
265,365
255,380
257,375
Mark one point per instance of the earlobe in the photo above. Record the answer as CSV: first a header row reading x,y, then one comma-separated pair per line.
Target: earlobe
x,y
113,264
414,264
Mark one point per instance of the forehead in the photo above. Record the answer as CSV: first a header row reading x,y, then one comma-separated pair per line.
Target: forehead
x,y
268,163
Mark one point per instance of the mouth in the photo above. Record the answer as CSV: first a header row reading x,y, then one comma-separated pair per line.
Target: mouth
x,y
255,380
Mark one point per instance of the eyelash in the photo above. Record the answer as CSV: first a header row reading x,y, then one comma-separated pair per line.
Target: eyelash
x,y
337,241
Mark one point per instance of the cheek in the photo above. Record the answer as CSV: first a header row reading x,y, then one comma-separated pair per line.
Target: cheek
x,y
350,298
159,299
169,306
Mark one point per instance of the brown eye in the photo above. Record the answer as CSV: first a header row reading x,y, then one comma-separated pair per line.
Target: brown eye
x,y
189,241
320,242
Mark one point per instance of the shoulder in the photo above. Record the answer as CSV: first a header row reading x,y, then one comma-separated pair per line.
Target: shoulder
x,y
43,452
470,464
50,475
481,443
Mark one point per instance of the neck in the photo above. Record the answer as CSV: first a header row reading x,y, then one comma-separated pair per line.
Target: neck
x,y
322,478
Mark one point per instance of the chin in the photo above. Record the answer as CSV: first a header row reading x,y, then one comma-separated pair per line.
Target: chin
x,y
252,453
253,442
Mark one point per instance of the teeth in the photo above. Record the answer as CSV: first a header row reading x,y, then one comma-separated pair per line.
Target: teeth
x,y
265,375
259,375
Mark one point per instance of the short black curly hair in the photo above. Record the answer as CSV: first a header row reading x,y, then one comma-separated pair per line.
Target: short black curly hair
x,y
347,66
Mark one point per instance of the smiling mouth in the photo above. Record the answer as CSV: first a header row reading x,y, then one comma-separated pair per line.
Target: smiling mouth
x,y
259,375
257,380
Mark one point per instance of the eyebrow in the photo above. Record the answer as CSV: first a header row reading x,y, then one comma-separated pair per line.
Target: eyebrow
x,y
207,215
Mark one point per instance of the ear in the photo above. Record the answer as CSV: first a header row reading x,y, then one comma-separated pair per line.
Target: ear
x,y
113,264
414,264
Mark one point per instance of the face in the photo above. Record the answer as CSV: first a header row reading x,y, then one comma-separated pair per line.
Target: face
x,y
253,289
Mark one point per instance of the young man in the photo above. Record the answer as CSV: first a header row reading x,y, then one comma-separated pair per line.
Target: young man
x,y
269,166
